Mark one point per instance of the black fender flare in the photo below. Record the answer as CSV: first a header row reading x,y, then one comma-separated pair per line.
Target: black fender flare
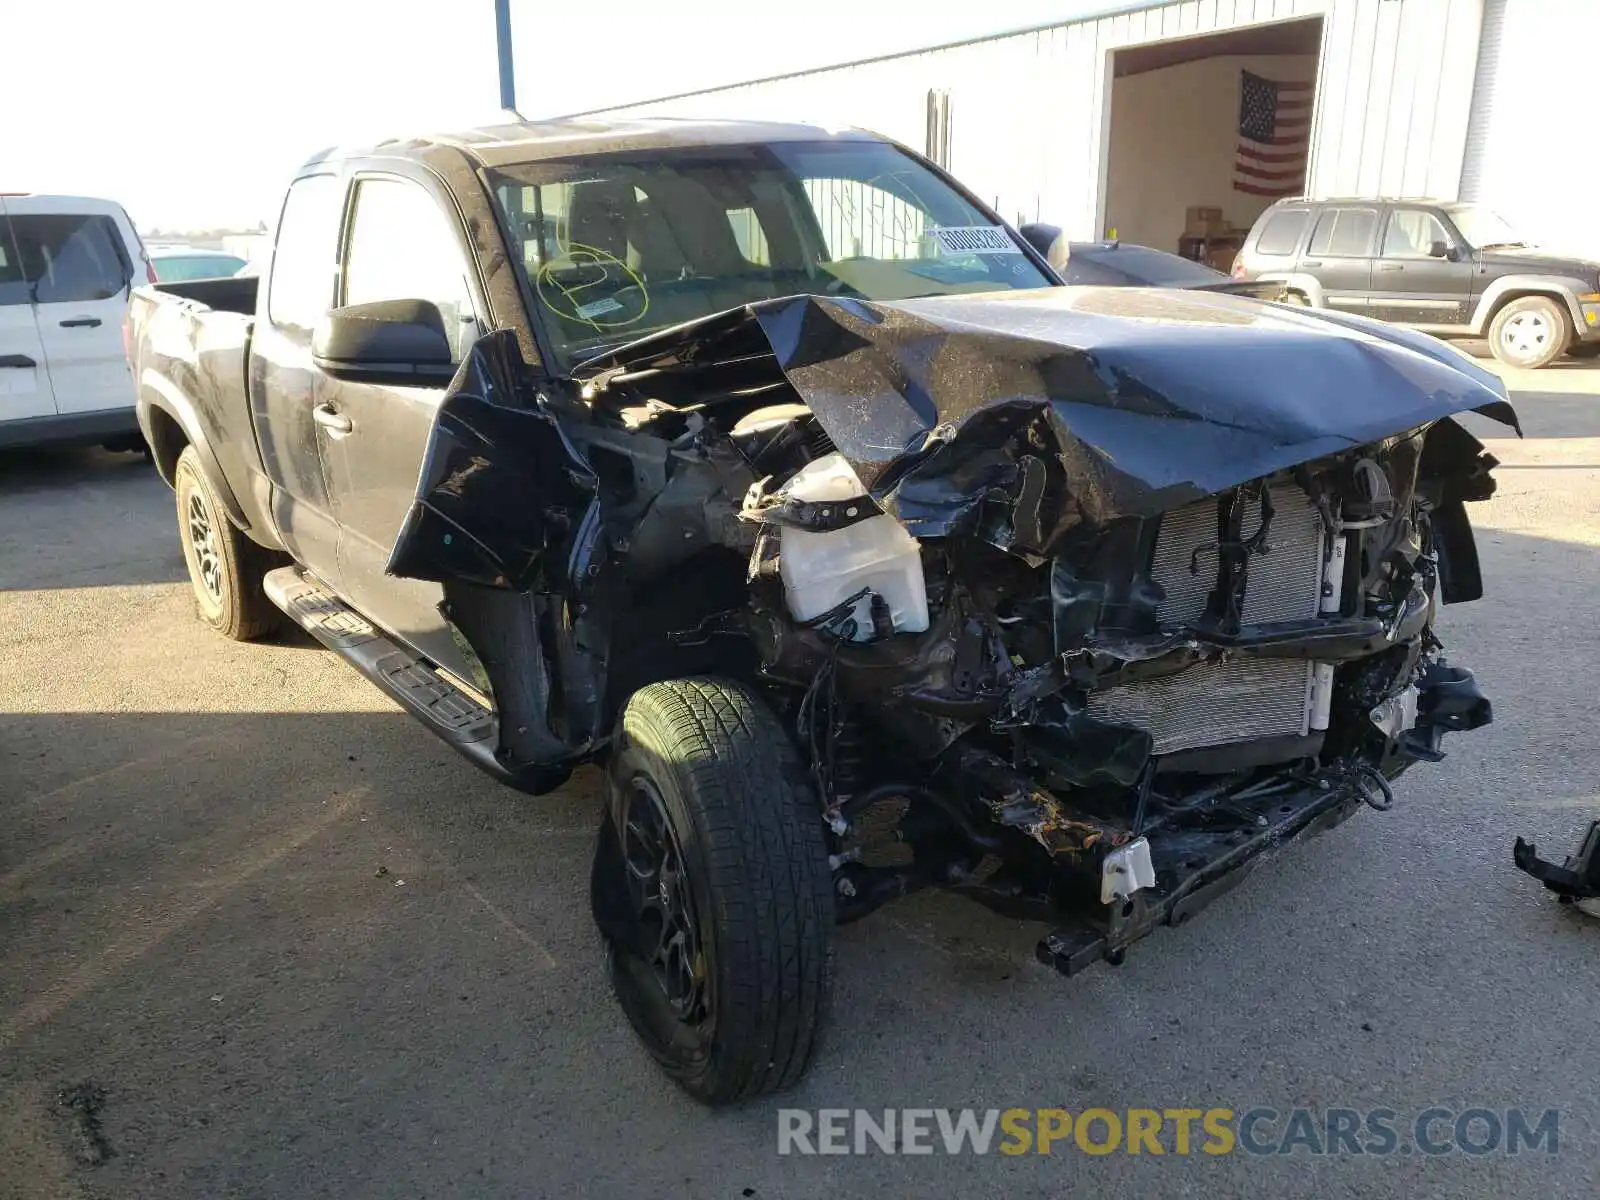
x,y
158,393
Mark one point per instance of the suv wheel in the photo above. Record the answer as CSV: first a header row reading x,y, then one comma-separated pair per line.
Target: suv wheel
x,y
712,890
1531,332
225,566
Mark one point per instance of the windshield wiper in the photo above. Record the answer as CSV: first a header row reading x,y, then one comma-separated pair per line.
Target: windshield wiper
x,y
1502,245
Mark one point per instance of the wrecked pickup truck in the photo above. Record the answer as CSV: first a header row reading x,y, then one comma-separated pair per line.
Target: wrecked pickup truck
x,y
767,469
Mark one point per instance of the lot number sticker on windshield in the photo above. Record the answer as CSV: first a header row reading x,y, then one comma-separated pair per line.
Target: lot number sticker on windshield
x,y
975,239
599,308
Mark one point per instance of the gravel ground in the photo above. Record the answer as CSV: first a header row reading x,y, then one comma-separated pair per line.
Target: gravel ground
x,y
260,935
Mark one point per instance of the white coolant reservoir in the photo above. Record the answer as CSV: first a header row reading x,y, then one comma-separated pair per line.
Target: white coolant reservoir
x,y
822,570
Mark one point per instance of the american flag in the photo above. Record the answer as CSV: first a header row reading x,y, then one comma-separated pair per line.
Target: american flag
x,y
1274,131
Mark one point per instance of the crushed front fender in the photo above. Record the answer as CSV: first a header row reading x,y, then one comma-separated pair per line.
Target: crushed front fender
x,y
503,494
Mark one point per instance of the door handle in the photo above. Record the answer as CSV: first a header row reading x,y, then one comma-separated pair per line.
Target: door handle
x,y
81,323
1311,262
1388,267
21,361
331,419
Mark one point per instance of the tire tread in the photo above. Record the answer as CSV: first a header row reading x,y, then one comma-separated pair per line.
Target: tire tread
x,y
766,866
250,615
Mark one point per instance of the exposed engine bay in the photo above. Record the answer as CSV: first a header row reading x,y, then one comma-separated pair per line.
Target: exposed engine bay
x,y
1070,610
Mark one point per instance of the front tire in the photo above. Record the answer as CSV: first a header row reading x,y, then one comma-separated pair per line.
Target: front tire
x,y
1530,332
712,890
225,566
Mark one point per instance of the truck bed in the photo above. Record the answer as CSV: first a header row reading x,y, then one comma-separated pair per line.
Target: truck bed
x,y
235,294
189,347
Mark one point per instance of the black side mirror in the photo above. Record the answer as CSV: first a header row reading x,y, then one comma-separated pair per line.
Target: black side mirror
x,y
387,341
1441,250
1049,241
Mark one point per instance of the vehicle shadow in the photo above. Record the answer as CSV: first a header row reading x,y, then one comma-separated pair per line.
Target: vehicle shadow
x,y
35,466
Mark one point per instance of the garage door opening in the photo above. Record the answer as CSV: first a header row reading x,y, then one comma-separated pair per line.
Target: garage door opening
x,y
1205,133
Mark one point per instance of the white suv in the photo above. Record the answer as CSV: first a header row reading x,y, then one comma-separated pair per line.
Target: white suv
x,y
66,266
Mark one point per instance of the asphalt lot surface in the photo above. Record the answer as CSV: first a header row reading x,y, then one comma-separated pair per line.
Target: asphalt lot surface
x,y
261,935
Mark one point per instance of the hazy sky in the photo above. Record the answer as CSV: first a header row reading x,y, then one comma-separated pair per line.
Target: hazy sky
x,y
194,112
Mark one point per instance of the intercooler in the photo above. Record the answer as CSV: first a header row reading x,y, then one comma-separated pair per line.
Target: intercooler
x,y
1235,700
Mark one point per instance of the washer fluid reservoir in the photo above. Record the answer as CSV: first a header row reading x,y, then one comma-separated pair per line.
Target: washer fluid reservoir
x,y
822,570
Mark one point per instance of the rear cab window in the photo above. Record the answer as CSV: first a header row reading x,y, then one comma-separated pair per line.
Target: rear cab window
x,y
1280,235
301,289
1344,233
750,235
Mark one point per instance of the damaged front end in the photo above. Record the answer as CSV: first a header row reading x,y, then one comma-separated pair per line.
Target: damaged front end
x,y
1078,601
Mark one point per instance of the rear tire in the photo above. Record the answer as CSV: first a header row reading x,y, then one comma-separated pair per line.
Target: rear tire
x,y
1530,332
712,889
225,566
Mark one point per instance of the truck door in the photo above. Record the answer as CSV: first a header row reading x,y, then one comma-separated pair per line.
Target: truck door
x,y
285,388
400,243
25,392
1423,275
1339,254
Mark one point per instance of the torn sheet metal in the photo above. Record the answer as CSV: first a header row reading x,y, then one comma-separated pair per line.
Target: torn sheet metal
x,y
503,493
1019,416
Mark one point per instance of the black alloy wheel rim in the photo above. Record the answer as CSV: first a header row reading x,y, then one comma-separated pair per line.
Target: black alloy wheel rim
x,y
668,940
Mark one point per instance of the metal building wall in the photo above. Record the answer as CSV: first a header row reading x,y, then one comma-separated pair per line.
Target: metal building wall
x,y
1396,92
1030,110
1527,155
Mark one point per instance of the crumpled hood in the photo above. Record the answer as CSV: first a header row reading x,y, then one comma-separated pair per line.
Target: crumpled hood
x,y
1073,405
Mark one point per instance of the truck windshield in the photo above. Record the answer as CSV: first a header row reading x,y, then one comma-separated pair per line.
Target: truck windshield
x,y
617,246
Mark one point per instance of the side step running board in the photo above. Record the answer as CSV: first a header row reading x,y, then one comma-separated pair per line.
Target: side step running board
x,y
444,708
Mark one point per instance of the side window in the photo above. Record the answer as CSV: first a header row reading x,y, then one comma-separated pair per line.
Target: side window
x,y
1281,234
70,257
1411,233
301,290
401,247
1344,233
13,284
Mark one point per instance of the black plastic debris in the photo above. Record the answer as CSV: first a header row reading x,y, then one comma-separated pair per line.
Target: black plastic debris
x,y
1576,879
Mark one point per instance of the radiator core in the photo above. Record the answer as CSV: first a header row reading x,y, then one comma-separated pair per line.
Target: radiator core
x,y
1217,703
